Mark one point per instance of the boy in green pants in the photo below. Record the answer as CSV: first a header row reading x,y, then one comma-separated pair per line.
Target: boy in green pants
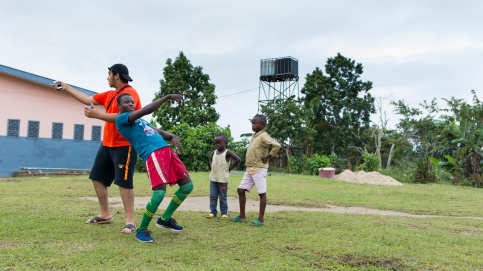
x,y
162,165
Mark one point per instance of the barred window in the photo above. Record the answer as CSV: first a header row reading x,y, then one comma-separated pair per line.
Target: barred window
x,y
78,132
57,130
33,130
96,133
13,128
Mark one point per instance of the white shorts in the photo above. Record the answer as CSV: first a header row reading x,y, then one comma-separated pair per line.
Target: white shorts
x,y
258,179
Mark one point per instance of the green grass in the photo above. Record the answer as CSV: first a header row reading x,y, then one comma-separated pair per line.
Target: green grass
x,y
42,228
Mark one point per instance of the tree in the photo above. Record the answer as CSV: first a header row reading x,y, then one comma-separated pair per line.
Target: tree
x,y
197,144
341,104
287,124
181,77
425,130
464,132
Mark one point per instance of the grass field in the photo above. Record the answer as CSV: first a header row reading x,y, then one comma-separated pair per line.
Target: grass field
x,y
42,227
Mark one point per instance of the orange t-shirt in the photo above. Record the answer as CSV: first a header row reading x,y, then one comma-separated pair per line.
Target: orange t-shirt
x,y
112,138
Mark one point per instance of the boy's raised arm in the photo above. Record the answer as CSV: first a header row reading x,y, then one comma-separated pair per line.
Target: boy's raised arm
x,y
150,108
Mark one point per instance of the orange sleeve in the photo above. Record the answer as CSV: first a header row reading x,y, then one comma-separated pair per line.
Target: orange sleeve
x,y
101,98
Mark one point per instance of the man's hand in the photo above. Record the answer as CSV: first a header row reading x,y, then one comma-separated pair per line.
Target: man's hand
x,y
64,85
177,146
266,159
91,112
176,97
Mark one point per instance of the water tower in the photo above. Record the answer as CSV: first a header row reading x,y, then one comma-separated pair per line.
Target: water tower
x,y
279,79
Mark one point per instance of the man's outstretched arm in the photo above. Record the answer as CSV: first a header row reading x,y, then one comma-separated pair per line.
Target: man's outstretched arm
x,y
81,97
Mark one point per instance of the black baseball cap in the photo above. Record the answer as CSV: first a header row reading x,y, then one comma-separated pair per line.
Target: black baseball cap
x,y
122,70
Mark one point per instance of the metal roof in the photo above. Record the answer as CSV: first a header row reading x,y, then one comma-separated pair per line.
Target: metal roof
x,y
38,78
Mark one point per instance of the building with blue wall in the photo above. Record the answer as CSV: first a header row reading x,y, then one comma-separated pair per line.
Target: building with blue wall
x,y
43,127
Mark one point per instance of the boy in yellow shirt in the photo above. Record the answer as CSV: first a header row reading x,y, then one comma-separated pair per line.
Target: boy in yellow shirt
x,y
256,162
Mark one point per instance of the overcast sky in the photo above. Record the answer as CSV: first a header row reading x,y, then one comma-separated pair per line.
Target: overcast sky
x,y
411,50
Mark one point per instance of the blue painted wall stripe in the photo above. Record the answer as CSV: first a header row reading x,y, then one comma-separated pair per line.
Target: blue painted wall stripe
x,y
45,152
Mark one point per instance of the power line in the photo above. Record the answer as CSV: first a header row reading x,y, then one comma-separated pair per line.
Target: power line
x,y
240,92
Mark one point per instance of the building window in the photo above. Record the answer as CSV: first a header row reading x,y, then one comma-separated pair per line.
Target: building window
x,y
78,132
13,128
33,130
57,130
96,133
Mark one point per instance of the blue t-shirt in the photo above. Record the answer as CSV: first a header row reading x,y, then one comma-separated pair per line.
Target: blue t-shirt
x,y
140,134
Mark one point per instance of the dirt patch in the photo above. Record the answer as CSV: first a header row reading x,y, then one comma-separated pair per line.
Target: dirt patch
x,y
4,245
202,204
366,177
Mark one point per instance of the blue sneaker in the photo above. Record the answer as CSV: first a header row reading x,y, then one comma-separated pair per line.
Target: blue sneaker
x,y
144,236
170,224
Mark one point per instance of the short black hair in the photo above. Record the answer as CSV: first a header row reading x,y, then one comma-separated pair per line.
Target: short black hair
x,y
122,95
223,136
262,118
122,78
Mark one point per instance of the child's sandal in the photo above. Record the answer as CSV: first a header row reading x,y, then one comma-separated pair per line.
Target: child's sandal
x,y
210,216
224,217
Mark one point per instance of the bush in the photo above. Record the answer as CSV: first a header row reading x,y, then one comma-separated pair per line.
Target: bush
x,y
475,180
240,148
140,166
296,165
197,145
315,162
371,162
339,163
309,166
423,173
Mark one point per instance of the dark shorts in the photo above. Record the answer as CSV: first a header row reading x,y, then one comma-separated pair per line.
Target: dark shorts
x,y
114,164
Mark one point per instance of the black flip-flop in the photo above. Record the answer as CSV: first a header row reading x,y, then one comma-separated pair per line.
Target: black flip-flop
x,y
131,227
98,220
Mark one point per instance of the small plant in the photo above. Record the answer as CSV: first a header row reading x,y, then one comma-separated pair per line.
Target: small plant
x,y
315,162
296,164
371,162
423,173
337,162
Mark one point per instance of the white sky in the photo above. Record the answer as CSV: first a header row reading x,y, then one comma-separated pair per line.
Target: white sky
x,y
410,50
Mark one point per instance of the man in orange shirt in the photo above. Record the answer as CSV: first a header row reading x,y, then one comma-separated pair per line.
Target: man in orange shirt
x,y
116,159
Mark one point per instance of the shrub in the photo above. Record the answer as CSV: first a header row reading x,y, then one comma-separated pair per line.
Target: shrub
x,y
296,164
197,145
140,166
315,162
423,173
371,162
339,163
239,148
309,166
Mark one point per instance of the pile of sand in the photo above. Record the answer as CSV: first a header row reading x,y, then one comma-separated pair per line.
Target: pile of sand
x,y
366,177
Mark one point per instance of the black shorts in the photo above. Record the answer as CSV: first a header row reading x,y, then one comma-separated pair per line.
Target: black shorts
x,y
114,164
